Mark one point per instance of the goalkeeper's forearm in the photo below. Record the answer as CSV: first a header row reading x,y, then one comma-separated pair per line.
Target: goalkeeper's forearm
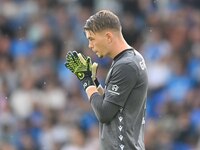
x,y
104,110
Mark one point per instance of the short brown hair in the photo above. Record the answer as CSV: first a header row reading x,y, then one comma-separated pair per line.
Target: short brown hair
x,y
102,20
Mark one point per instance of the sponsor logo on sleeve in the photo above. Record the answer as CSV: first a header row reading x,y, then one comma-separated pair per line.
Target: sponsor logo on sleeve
x,y
142,65
114,89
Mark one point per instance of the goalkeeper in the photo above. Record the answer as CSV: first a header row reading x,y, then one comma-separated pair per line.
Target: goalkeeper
x,y
120,107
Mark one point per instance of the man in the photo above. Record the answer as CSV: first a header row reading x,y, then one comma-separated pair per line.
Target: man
x,y
120,107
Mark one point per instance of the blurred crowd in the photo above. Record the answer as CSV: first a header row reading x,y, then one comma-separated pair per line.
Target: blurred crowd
x,y
44,107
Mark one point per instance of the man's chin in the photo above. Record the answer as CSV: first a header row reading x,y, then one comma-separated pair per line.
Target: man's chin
x,y
100,56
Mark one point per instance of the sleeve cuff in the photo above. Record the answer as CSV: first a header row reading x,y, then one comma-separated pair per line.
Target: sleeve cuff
x,y
93,96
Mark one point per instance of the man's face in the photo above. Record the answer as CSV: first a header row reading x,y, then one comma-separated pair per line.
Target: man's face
x,y
97,42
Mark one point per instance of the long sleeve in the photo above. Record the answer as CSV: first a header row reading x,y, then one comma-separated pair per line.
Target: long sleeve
x,y
104,110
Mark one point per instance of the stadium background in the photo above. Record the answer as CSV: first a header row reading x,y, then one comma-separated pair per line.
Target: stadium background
x,y
43,106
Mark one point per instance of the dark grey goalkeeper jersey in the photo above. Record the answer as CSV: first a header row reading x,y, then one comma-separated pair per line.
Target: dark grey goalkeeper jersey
x,y
126,89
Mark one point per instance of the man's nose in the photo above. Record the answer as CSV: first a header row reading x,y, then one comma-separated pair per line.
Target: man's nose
x,y
90,45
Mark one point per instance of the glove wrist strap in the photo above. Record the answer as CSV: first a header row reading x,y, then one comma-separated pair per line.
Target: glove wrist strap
x,y
96,82
86,82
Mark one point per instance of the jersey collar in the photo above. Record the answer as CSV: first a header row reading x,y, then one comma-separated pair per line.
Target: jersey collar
x,y
122,53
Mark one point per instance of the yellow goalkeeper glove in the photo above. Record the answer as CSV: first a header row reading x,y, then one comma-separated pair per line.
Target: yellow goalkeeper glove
x,y
81,67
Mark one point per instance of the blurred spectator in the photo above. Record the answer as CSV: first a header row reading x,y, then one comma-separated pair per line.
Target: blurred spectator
x,y
43,107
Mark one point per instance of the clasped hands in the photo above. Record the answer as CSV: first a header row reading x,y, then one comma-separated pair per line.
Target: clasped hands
x,y
82,67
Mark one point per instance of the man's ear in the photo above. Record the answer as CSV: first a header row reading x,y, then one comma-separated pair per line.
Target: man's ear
x,y
109,37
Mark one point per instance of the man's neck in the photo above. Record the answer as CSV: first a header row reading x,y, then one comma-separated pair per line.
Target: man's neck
x,y
118,48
